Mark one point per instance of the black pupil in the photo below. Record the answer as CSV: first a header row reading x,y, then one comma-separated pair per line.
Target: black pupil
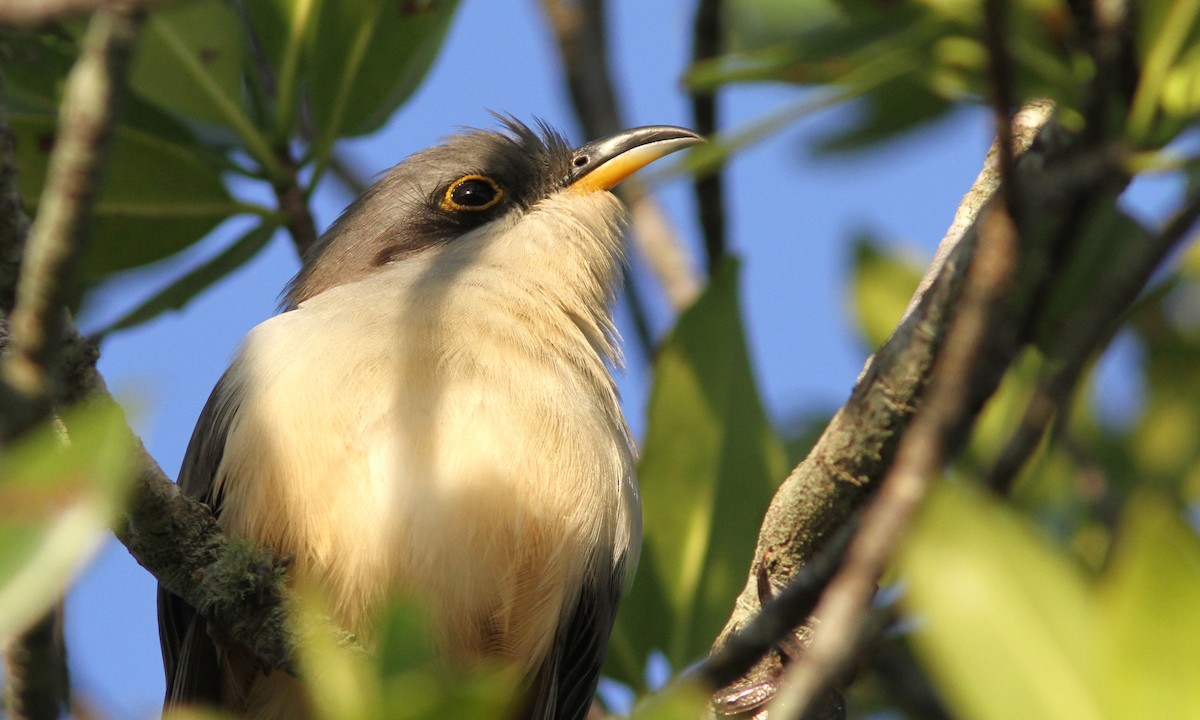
x,y
473,193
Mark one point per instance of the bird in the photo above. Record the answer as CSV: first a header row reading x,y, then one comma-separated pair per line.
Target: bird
x,y
433,411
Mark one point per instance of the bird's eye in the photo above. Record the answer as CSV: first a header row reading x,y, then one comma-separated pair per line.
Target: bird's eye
x,y
472,193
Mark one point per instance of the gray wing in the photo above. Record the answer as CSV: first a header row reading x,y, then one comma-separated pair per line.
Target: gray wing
x,y
565,683
190,657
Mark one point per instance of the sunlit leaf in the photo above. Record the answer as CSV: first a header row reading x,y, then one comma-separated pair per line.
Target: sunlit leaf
x,y
157,198
400,676
1010,627
709,463
1147,605
1006,626
352,41
58,498
682,700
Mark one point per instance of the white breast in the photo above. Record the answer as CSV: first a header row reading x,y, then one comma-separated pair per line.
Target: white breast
x,y
448,427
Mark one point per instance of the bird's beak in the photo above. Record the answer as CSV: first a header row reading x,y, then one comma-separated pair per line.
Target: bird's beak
x,y
601,164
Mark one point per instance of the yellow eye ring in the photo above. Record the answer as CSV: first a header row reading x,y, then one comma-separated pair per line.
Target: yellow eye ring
x,y
472,193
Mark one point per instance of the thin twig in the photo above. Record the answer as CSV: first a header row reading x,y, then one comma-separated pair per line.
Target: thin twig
x,y
579,29
995,32
710,193
293,203
786,610
352,178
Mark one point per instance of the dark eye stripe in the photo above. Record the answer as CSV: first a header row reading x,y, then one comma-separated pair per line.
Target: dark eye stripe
x,y
472,193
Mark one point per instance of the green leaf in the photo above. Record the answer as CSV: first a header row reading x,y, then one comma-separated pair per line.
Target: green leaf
x,y
157,197
881,285
1110,237
1149,613
57,500
365,57
681,700
404,680
709,465
188,51
1005,623
1009,626
198,279
35,66
1166,30
889,110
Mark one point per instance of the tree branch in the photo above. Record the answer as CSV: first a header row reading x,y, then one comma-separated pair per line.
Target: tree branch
x,y
294,204
58,236
31,366
983,337
860,442
237,586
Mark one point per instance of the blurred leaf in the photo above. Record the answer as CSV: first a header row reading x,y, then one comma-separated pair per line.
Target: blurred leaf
x,y
1006,627
366,57
198,279
157,197
406,681
891,109
881,285
681,700
1106,233
35,66
906,63
1148,603
1166,31
57,500
709,463
189,52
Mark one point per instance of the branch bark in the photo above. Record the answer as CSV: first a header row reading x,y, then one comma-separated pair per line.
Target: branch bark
x,y
861,441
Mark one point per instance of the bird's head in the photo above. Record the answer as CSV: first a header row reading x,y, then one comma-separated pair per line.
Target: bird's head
x,y
473,180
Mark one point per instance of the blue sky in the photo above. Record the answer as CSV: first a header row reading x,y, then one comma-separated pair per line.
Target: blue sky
x,y
791,220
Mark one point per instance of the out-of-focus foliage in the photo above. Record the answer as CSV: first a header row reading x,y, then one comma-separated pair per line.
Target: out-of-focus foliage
x,y
908,62
400,680
58,497
209,90
1011,626
709,462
